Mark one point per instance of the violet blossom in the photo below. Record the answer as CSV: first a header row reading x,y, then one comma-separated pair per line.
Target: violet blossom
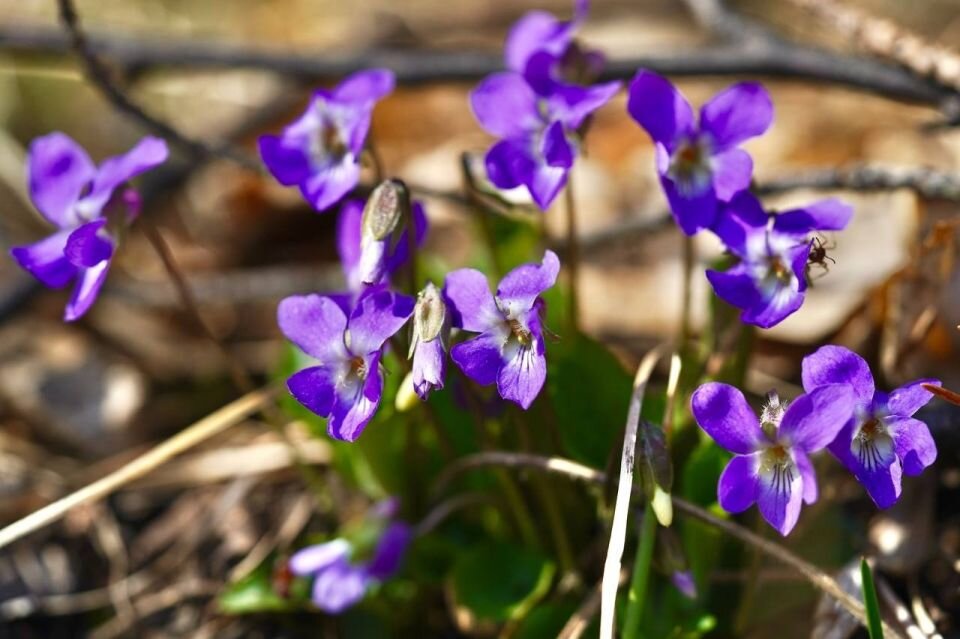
x,y
881,440
510,347
699,163
320,151
771,465
534,110
347,384
91,208
340,580
769,280
428,344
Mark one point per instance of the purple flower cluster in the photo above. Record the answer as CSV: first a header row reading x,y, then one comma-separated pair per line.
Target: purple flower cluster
x,y
339,579
91,207
705,176
535,109
872,433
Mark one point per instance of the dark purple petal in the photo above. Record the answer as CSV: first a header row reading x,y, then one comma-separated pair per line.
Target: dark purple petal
x,y
556,150
315,388
376,319
85,291
736,286
339,587
286,159
86,247
316,324
115,171
693,211
807,475
732,171
365,86
882,481
825,215
780,499
572,104
523,373
354,126
505,105
45,260
659,108
722,411
58,169
910,398
736,114
509,164
429,367
390,550
814,420
312,559
739,487
838,365
521,286
352,411
480,358
536,31
913,443
323,190
469,299
770,311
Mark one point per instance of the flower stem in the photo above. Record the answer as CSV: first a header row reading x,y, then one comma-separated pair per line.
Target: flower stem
x,y
689,261
636,596
573,254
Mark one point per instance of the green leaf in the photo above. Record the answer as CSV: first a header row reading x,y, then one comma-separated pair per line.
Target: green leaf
x,y
590,390
499,582
874,624
253,593
545,621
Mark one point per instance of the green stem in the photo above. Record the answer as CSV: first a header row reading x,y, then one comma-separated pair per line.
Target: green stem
x,y
573,255
689,260
637,595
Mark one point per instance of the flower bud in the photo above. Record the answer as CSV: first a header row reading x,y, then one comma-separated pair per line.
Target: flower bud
x,y
388,203
429,316
655,470
406,397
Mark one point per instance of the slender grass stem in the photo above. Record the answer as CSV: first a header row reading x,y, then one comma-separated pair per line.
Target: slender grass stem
x,y
637,595
686,312
573,254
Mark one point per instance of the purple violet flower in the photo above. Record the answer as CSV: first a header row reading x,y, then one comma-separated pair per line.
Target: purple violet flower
x,y
339,582
347,384
881,440
699,164
769,281
91,208
771,465
535,113
350,249
320,151
428,346
683,581
510,347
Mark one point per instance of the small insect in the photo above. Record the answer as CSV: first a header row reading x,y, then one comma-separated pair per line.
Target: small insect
x,y
818,255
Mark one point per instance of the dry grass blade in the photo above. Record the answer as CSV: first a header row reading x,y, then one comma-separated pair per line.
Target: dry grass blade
x,y
202,430
618,530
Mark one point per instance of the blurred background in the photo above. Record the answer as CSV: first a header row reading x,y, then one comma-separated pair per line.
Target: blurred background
x,y
78,400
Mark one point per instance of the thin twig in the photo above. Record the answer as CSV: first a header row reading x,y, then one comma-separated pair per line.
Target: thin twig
x,y
100,76
927,182
573,253
200,431
575,470
777,59
618,529
580,620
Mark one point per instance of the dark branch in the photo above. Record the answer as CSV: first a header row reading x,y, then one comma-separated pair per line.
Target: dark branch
x,y
759,55
929,183
100,76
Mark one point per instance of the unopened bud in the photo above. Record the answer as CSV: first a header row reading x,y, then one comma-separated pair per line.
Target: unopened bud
x,y
655,469
429,315
385,207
